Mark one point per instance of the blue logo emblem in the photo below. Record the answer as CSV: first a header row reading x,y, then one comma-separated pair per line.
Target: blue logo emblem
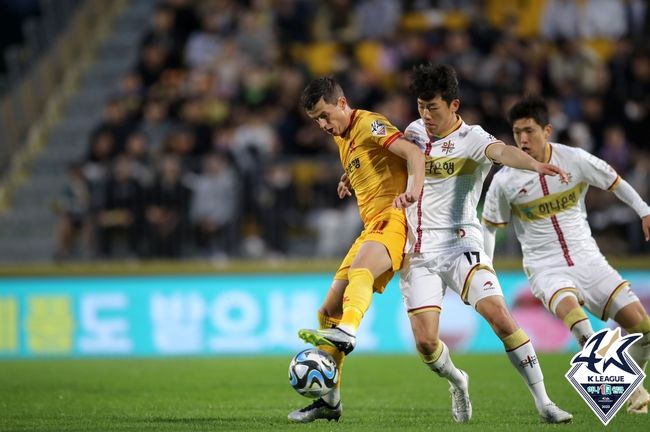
x,y
604,374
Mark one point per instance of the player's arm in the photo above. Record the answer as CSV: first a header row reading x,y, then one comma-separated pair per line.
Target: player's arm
x,y
626,193
516,158
415,163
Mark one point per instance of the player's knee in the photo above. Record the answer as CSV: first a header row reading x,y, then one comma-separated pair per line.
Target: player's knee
x,y
500,320
427,345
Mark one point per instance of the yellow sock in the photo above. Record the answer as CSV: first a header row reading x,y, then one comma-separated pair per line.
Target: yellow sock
x,y
356,299
328,322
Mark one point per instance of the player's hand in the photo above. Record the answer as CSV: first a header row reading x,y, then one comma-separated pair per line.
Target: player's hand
x,y
403,200
645,226
344,187
551,170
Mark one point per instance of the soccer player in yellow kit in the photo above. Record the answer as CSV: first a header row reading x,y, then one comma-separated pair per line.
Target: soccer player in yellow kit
x,y
377,162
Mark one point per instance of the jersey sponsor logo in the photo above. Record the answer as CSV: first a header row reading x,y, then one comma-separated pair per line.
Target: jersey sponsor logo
x,y
354,164
604,374
522,191
447,147
445,167
549,205
377,128
488,286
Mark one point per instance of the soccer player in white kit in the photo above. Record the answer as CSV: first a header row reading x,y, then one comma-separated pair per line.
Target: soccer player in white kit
x,y
560,257
445,241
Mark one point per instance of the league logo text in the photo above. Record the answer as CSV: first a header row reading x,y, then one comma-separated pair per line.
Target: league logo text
x,y
604,374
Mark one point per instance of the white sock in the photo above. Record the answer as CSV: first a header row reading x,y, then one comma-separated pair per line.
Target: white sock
x,y
640,351
582,331
445,368
334,397
525,361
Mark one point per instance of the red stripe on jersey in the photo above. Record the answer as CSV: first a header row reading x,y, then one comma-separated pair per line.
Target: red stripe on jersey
x,y
556,226
418,230
391,139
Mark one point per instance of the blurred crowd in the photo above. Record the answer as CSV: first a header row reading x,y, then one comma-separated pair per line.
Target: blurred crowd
x,y
203,149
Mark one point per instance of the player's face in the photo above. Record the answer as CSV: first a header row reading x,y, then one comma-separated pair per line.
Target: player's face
x,y
332,118
437,115
532,138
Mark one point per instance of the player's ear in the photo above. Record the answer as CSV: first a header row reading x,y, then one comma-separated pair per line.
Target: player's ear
x,y
342,102
454,105
548,130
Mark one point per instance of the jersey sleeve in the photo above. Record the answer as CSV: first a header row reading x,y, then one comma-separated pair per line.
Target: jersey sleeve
x,y
380,130
416,135
597,172
481,141
496,209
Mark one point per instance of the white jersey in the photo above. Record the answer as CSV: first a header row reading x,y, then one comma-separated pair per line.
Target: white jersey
x,y
549,215
455,168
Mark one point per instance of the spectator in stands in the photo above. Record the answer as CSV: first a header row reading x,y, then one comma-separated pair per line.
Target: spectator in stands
x,y
166,210
72,206
120,217
215,205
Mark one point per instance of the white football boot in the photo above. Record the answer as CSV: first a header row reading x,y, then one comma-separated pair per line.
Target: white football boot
x,y
461,406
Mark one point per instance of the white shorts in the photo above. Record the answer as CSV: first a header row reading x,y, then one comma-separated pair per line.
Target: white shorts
x,y
426,276
598,287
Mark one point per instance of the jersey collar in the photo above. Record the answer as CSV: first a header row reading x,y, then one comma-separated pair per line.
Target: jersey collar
x,y
452,129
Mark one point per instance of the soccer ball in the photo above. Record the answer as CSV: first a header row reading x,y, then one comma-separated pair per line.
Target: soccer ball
x,y
313,373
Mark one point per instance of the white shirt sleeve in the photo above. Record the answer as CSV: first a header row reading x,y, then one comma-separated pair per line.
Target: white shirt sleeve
x,y
626,193
596,171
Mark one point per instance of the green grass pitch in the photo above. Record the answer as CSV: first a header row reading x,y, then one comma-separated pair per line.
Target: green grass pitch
x,y
380,393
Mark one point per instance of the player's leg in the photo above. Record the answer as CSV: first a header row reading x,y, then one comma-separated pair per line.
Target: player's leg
x,y
328,407
557,290
481,289
610,296
521,353
634,319
568,309
423,291
373,258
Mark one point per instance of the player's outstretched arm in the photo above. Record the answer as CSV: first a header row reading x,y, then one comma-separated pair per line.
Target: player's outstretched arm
x,y
626,193
415,163
516,158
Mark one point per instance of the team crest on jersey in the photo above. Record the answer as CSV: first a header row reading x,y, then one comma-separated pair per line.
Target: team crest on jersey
x,y
447,147
569,177
604,374
377,128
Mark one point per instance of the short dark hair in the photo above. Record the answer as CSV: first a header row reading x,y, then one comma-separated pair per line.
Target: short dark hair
x,y
533,107
429,81
324,87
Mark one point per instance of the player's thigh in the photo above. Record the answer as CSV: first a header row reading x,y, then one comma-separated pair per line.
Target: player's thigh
x,y
553,285
605,292
422,288
342,273
469,272
388,229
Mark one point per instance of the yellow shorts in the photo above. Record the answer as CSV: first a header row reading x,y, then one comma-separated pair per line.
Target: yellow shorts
x,y
388,228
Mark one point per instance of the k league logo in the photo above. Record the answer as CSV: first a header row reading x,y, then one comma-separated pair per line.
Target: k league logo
x,y
604,374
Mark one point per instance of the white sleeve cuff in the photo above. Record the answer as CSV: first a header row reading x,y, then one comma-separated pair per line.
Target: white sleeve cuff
x,y
629,196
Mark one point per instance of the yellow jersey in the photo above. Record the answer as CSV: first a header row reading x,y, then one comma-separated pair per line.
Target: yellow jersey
x,y
376,174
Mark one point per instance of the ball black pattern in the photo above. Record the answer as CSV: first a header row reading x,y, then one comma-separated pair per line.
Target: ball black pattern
x,y
313,373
